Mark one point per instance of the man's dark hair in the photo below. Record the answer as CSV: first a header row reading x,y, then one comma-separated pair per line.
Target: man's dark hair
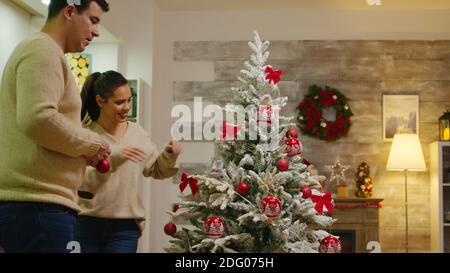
x,y
57,5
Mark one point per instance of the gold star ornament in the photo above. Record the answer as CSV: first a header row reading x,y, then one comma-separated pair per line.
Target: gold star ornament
x,y
338,172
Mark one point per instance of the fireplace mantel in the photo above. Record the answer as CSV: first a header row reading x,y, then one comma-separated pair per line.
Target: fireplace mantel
x,y
357,200
360,215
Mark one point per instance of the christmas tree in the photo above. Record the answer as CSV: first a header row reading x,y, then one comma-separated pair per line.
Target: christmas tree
x,y
258,196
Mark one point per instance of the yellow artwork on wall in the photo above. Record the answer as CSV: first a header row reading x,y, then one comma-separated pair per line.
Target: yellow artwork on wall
x,y
81,67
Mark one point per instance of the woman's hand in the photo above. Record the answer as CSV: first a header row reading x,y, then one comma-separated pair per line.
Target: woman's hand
x,y
134,154
174,147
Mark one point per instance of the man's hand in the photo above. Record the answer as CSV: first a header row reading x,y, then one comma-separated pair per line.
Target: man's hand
x,y
174,147
103,153
92,161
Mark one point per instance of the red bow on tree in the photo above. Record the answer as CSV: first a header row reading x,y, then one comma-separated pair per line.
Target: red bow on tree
x,y
321,200
273,75
186,180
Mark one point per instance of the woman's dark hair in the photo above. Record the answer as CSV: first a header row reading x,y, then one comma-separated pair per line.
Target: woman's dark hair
x,y
56,6
102,84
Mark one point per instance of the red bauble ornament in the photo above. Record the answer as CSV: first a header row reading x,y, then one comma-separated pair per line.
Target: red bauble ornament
x,y
103,166
264,114
170,229
293,147
292,133
282,165
271,206
243,188
306,192
214,227
330,244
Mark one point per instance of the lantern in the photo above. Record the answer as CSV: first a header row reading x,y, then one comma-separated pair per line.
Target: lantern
x,y
444,126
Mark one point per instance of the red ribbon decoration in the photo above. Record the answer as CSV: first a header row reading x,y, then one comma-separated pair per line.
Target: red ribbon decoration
x,y
321,201
273,75
365,205
186,180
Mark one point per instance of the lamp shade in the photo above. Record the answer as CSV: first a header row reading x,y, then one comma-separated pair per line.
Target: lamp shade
x,y
406,154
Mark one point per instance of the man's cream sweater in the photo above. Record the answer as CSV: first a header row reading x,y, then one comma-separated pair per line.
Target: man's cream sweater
x,y
42,142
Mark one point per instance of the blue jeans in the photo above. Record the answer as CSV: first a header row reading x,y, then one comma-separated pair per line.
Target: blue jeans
x,y
97,235
27,227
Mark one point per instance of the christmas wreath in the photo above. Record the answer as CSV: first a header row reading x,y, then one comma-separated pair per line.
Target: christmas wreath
x,y
324,113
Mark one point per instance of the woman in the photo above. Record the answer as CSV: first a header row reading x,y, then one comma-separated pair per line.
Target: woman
x,y
113,218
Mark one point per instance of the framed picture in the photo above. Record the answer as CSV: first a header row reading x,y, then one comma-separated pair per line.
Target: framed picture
x,y
400,115
80,64
136,108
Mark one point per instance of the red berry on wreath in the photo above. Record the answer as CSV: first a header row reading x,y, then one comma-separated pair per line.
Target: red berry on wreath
x,y
243,188
282,165
170,229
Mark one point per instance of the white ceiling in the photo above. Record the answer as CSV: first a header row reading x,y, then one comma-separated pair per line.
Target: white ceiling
x,y
35,7
217,5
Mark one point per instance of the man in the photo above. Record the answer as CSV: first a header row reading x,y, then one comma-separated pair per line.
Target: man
x,y
43,148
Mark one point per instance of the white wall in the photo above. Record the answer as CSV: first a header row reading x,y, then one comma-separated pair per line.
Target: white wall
x,y
310,24
139,64
15,24
133,22
105,56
